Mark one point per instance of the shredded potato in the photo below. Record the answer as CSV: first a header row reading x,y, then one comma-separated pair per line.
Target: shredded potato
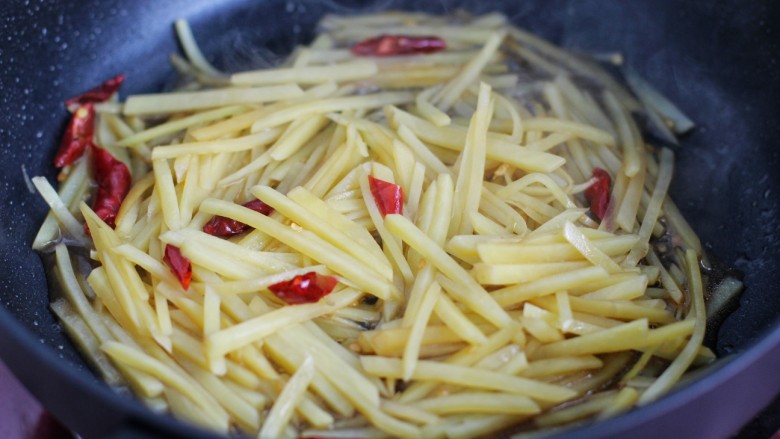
x,y
491,298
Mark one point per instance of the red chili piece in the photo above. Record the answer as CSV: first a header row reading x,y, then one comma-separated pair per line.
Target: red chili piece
x,y
180,266
113,182
101,93
389,45
304,288
597,194
78,135
224,227
389,197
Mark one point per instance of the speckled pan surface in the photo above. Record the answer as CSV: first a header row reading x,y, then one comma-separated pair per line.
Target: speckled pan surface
x,y
718,60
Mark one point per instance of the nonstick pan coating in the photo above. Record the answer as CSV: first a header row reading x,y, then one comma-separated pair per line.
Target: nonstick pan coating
x,y
718,60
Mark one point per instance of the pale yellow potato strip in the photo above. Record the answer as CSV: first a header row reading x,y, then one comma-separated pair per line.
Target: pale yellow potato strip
x,y
348,71
68,192
581,130
515,294
166,192
479,402
626,290
468,377
620,338
216,146
328,214
454,318
472,295
468,187
59,209
306,243
699,315
560,366
335,236
409,412
245,415
450,93
139,360
284,406
505,274
420,317
293,140
653,210
362,102
250,331
590,251
497,252
191,49
136,139
158,103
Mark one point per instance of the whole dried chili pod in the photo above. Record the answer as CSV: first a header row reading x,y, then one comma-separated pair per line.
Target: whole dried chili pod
x,y
597,193
390,45
78,135
113,183
101,93
389,197
180,266
224,227
304,288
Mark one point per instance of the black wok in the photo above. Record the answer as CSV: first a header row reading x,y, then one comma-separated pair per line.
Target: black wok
x,y
718,60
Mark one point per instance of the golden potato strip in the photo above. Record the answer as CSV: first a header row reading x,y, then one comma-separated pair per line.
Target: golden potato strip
x,y
473,295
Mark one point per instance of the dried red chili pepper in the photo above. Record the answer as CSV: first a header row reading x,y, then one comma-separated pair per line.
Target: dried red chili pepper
x,y
597,194
389,45
101,93
180,266
113,182
78,135
389,197
223,227
304,288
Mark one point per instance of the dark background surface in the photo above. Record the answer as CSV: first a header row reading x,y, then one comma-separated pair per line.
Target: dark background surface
x,y
717,60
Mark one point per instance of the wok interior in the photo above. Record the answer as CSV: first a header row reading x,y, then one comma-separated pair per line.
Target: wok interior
x,y
712,60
